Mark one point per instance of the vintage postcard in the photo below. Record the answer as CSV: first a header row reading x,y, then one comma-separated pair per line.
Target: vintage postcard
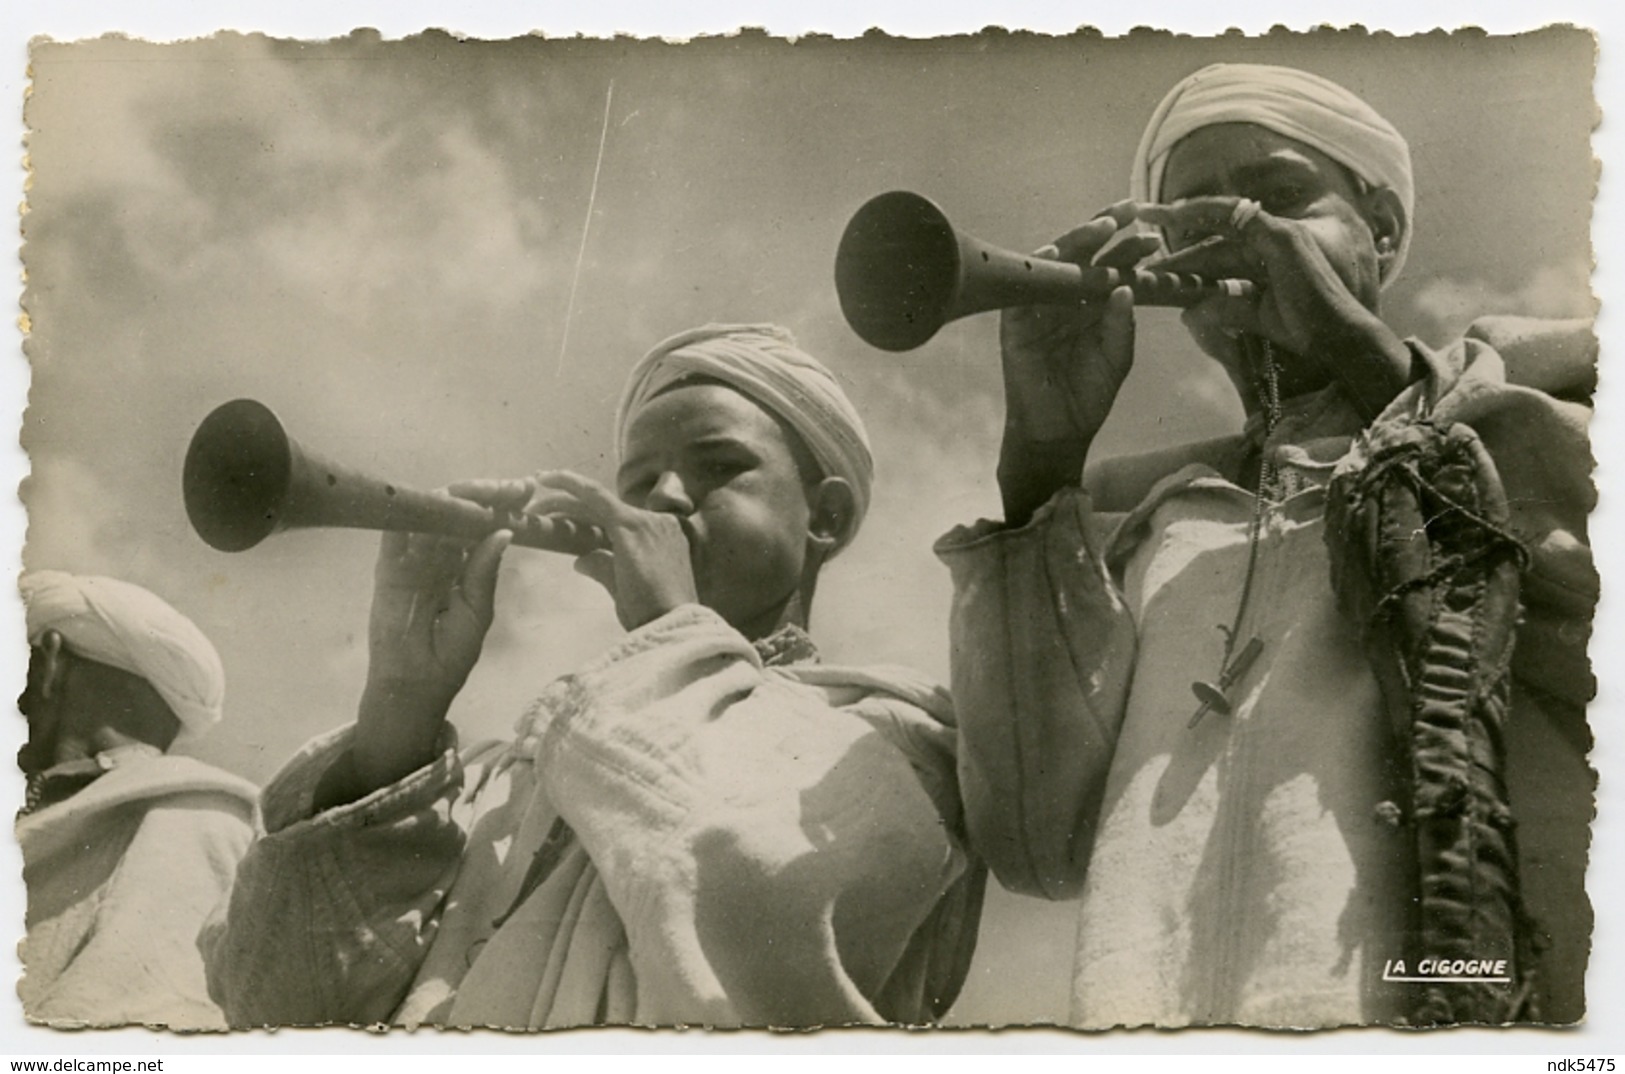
x,y
1186,441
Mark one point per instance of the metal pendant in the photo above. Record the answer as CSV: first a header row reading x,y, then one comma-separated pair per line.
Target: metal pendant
x,y
1212,695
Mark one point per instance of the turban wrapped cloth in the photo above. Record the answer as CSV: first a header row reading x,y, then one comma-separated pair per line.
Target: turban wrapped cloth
x,y
763,363
128,628
1296,104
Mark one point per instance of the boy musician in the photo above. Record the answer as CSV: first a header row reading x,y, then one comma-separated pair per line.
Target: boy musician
x,y
1256,700
703,826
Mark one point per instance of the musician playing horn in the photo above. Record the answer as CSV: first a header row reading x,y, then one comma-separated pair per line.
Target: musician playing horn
x,y
1354,779
704,825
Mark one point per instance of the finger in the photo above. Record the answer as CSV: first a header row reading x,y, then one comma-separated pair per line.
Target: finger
x,y
602,505
1117,326
1216,258
1202,321
550,501
1129,251
1209,214
392,553
432,565
600,567
479,581
1188,251
1121,213
1223,314
508,493
434,547
391,548
1081,244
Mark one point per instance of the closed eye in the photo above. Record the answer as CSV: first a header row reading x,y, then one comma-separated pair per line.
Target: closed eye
x,y
719,461
634,489
1285,199
723,469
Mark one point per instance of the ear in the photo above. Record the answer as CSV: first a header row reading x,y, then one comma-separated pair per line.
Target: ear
x,y
1385,215
53,665
42,702
832,512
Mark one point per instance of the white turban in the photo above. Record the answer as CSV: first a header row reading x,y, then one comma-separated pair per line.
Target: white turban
x,y
763,362
1296,104
126,627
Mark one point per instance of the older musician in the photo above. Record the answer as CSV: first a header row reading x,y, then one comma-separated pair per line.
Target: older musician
x,y
126,847
1249,699
705,825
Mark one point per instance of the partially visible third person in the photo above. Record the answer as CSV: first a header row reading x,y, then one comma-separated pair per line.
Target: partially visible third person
x,y
126,847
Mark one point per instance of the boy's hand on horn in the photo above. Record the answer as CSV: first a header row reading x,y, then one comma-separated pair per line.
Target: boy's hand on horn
x,y
648,569
433,602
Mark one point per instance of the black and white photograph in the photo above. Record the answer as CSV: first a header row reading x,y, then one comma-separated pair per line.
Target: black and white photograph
x,y
996,529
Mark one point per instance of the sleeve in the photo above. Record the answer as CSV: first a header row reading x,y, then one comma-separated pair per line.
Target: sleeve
x,y
140,964
1539,441
928,979
1042,656
770,853
332,913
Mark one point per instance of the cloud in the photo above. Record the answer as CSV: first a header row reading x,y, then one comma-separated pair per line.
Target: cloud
x,y
1445,306
62,531
378,239
280,176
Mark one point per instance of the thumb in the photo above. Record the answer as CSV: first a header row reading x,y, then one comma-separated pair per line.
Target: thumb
x,y
1117,327
1223,313
480,575
600,567
1207,324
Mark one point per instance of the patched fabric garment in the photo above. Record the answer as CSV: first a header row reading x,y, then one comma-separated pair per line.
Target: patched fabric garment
x,y
680,834
120,877
1254,869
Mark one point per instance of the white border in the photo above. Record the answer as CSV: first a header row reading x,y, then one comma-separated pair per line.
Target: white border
x,y
175,19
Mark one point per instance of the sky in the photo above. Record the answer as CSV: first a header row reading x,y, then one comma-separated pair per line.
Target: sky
x,y
437,259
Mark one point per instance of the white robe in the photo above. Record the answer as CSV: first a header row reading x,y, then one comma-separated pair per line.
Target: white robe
x,y
1245,871
679,835
120,878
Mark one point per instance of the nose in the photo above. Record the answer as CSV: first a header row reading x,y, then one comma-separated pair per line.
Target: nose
x,y
670,495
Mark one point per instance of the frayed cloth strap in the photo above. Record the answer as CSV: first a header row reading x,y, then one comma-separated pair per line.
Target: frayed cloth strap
x,y
1423,560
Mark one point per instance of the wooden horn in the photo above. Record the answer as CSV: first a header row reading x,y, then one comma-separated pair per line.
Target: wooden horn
x,y
245,478
902,272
